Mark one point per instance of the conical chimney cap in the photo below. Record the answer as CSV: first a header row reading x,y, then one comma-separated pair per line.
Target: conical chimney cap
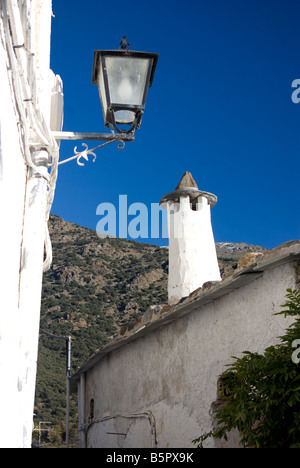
x,y
187,181
188,187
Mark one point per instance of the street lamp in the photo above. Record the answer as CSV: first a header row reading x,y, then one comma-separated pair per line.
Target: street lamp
x,y
123,77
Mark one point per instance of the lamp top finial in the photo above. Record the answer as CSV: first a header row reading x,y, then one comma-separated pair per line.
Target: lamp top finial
x,y
124,44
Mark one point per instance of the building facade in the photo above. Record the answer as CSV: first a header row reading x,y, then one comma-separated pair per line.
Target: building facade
x,y
155,385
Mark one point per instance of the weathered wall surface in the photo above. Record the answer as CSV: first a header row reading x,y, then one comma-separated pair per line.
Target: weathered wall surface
x,y
12,199
29,97
158,390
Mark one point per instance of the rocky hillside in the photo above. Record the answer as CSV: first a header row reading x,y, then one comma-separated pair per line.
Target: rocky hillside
x,y
94,287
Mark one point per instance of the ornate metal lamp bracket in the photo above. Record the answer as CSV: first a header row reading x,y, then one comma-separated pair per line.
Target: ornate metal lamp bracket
x,y
108,138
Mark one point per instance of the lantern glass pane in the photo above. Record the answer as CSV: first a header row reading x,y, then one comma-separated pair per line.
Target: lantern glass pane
x,y
127,79
124,117
102,92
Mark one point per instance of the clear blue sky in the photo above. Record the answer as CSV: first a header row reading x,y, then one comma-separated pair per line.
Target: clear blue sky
x,y
220,107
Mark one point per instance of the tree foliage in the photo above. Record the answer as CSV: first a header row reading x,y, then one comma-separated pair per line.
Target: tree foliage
x,y
262,391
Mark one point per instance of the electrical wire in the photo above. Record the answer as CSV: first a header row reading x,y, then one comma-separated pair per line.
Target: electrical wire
x,y
51,335
146,414
31,120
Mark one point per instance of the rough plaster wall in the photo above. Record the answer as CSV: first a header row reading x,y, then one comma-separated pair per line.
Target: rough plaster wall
x,y
122,431
12,195
173,371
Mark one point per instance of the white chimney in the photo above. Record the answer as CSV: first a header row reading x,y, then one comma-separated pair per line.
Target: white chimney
x,y
192,252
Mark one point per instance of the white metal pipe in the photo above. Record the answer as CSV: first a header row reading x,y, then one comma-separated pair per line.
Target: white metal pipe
x,y
68,375
93,136
15,19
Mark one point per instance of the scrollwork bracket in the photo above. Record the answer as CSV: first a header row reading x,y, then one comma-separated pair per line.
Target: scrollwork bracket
x,y
85,153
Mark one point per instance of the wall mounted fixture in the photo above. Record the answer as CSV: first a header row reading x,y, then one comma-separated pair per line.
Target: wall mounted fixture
x,y
123,78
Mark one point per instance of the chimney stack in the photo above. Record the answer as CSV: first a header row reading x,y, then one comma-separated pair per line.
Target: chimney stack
x,y
192,252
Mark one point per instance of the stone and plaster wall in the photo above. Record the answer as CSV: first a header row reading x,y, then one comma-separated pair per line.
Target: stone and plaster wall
x,y
157,390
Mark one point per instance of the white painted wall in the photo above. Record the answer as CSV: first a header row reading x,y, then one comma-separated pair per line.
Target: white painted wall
x,y
171,373
26,93
12,197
